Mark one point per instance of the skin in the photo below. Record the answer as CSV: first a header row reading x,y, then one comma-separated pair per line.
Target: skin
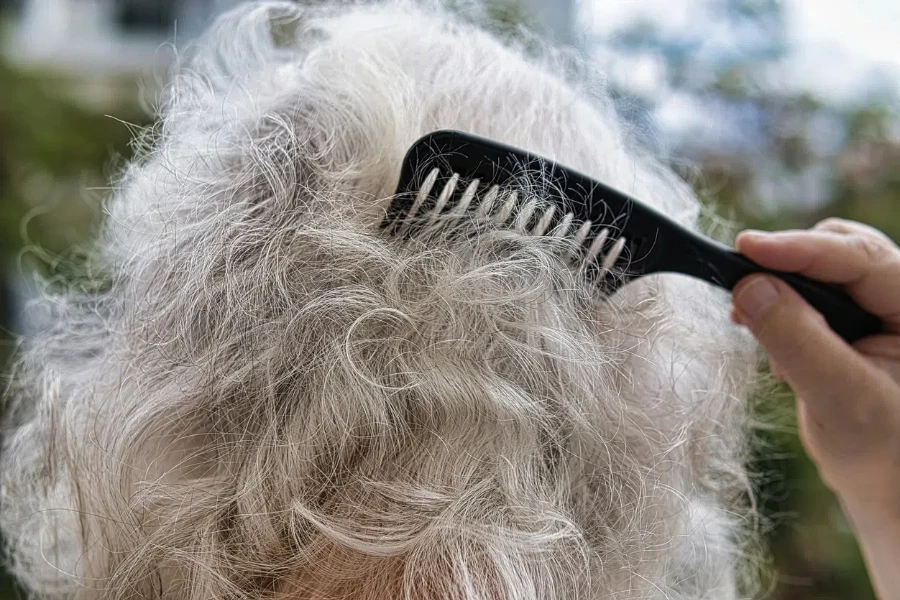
x,y
848,396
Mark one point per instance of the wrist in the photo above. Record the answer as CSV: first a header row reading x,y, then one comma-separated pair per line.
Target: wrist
x,y
870,493
877,527
869,513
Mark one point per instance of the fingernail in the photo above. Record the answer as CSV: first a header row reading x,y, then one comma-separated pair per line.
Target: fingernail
x,y
756,297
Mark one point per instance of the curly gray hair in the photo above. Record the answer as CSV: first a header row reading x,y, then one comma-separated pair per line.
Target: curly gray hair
x,y
267,397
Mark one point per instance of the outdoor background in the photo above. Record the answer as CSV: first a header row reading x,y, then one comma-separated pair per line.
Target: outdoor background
x,y
779,112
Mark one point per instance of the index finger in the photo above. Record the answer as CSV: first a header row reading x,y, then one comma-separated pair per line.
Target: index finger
x,y
866,264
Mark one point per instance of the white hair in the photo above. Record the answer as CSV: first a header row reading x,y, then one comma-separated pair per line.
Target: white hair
x,y
265,396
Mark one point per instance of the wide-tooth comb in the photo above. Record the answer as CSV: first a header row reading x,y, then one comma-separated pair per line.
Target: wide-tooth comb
x,y
450,171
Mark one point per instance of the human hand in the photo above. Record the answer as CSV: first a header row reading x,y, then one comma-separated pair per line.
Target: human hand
x,y
848,397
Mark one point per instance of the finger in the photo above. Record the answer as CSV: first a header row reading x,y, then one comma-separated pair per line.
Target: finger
x,y
813,359
845,226
808,429
883,351
867,265
776,371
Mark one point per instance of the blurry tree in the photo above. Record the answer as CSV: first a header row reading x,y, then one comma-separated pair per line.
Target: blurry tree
x,y
786,144
146,15
53,151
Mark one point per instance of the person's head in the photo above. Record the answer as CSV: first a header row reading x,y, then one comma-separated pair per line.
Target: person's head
x,y
266,395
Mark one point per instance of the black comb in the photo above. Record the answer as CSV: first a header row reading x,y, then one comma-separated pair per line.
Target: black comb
x,y
624,238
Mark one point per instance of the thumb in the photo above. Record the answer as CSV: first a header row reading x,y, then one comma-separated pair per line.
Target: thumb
x,y
816,362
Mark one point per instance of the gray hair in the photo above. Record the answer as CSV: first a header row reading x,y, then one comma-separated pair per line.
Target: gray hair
x,y
265,396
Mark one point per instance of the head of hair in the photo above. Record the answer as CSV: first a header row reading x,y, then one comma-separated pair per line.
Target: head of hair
x,y
265,396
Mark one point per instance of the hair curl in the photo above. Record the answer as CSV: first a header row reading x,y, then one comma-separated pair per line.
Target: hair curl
x,y
266,397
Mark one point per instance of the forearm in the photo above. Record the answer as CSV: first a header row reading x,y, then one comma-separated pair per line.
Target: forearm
x,y
878,532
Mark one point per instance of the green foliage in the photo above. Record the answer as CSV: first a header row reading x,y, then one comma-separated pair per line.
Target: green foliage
x,y
53,151
815,554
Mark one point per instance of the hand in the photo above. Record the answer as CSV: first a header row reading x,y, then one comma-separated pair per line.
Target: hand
x,y
848,397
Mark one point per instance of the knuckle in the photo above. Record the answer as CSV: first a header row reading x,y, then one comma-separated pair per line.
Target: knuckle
x,y
854,228
832,224
873,248
801,327
779,324
792,327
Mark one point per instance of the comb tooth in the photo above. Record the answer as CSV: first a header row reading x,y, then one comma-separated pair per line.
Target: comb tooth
x,y
466,198
580,235
563,227
424,191
524,216
597,245
544,223
507,207
442,199
610,259
487,205
583,232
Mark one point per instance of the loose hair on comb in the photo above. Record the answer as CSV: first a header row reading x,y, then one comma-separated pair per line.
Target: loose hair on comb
x,y
268,397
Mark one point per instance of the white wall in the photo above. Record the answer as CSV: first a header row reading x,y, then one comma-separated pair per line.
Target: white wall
x,y
82,35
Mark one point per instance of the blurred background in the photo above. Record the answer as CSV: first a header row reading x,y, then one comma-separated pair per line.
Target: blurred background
x,y
779,112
